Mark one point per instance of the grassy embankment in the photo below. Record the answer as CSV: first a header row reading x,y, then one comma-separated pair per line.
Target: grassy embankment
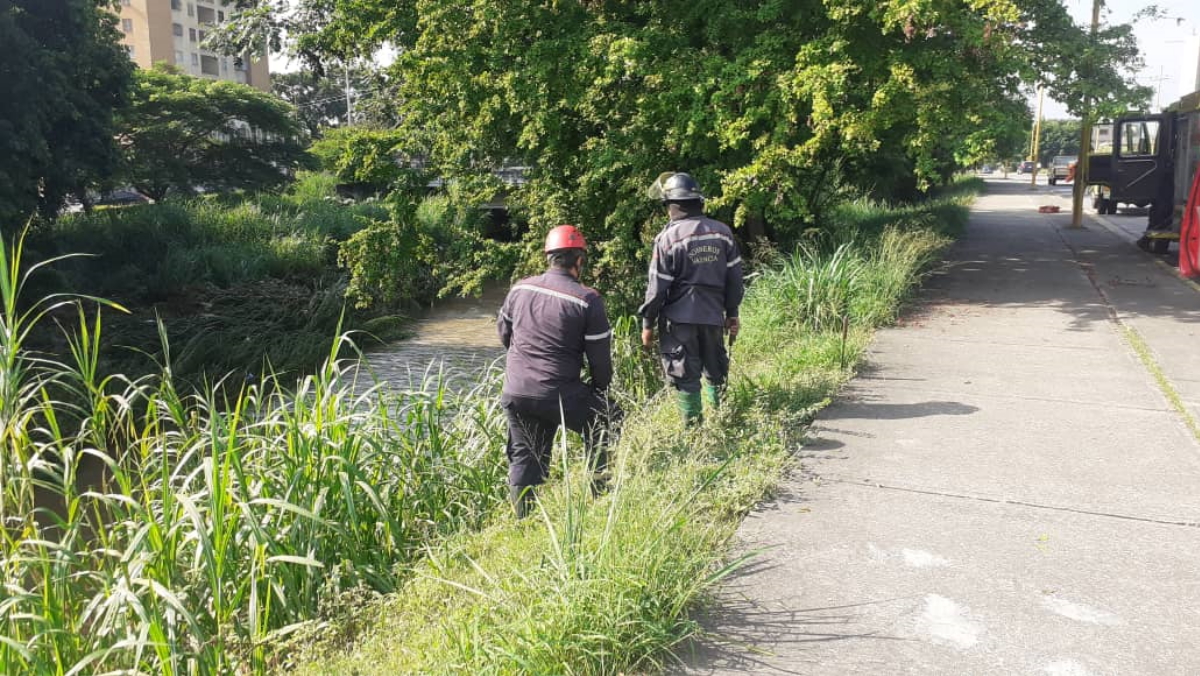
x,y
606,586
239,281
239,527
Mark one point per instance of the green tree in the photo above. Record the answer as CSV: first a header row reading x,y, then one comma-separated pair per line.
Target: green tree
x,y
779,108
1002,137
63,74
372,159
181,132
1059,137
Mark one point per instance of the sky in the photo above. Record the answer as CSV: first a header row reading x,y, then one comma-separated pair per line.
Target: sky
x,y
1162,43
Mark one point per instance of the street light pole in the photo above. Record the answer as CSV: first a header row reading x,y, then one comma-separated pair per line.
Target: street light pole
x,y
1035,148
1085,135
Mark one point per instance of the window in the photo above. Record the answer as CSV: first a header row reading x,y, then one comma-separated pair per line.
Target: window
x,y
195,59
176,5
203,35
177,30
191,9
192,34
178,58
206,15
1139,137
224,65
220,15
209,65
126,3
127,25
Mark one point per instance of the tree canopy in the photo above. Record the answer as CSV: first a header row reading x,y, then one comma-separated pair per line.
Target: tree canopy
x,y
778,108
1058,137
181,132
61,77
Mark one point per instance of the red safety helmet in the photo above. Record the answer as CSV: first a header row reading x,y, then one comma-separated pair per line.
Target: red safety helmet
x,y
565,237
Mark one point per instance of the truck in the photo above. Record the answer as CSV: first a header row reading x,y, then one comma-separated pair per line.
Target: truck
x,y
1153,164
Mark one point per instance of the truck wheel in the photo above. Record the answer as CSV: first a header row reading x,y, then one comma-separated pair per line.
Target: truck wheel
x,y
1112,207
1160,246
1053,180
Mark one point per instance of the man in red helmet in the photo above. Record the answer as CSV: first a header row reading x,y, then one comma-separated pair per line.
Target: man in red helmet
x,y
548,324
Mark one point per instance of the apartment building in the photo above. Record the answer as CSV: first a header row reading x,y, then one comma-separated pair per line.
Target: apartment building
x,y
173,30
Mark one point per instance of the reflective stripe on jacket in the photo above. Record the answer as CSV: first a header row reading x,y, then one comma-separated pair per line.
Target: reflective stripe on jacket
x,y
695,274
547,324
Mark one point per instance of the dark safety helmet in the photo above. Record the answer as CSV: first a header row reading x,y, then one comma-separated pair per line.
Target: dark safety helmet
x,y
681,188
565,237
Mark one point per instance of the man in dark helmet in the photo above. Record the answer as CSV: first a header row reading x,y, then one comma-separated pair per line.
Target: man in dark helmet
x,y
694,292
548,324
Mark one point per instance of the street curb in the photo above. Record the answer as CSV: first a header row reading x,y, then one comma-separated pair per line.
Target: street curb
x,y
1123,234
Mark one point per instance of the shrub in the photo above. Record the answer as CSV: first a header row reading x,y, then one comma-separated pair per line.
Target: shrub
x,y
365,157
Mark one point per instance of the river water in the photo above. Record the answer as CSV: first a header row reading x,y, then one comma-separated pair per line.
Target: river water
x,y
456,340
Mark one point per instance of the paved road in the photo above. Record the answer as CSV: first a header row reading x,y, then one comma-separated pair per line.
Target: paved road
x,y
1006,489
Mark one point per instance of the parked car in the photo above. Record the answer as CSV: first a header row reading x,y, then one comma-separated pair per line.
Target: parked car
x,y
1027,167
1060,168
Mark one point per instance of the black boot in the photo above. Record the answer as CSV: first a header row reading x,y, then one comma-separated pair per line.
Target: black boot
x,y
522,499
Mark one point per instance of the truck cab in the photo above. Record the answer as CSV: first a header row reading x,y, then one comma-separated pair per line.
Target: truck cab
x,y
1152,162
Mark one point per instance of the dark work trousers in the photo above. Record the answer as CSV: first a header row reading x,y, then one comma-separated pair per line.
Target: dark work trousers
x,y
692,350
532,424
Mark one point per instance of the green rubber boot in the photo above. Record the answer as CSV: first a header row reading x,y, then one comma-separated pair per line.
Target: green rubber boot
x,y
691,406
712,395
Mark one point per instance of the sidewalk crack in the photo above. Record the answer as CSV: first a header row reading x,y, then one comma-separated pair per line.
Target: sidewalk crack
x,y
867,483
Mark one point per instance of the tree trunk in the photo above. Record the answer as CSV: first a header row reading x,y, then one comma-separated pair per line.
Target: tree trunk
x,y
756,227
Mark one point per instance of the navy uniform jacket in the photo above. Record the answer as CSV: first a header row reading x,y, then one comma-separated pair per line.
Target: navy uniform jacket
x,y
695,274
547,324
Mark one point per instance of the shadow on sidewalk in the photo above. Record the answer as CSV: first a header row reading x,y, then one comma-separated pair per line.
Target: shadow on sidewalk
x,y
745,636
850,409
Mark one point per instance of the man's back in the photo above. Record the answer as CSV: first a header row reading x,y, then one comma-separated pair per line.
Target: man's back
x,y
695,274
548,323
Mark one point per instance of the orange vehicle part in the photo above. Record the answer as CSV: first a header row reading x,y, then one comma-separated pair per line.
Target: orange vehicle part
x,y
1189,233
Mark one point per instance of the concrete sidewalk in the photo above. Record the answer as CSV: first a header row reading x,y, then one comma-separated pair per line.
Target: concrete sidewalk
x,y
1006,489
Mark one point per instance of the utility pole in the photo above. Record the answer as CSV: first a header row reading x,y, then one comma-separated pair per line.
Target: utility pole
x,y
1085,134
1035,146
1158,83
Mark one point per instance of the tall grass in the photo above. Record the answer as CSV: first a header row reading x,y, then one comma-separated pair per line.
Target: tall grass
x,y
153,251
151,531
256,527
608,586
245,283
